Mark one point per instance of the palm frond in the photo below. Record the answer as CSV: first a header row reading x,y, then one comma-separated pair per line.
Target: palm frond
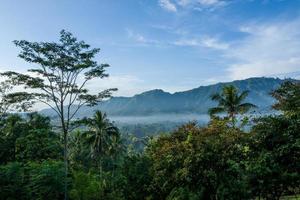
x,y
216,97
245,107
215,110
243,96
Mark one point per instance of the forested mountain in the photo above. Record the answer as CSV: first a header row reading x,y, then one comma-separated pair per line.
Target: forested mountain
x,y
192,101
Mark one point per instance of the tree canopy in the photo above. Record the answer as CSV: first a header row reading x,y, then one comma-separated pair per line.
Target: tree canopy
x,y
230,101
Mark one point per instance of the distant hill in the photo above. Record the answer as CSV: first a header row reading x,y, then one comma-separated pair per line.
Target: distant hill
x,y
196,101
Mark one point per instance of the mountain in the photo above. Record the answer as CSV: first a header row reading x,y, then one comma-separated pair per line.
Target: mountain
x,y
196,101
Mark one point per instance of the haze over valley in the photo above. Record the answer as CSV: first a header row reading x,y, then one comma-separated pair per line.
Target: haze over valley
x,y
157,106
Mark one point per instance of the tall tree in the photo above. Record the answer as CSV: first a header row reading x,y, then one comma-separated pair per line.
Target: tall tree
x,y
100,135
231,102
59,78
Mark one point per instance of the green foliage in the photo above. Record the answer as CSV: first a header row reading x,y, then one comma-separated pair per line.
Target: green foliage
x,y
12,181
231,102
274,167
288,98
214,162
32,180
79,151
102,138
38,144
89,185
59,77
4,105
136,172
100,134
205,161
57,67
182,194
85,186
28,139
45,180
12,127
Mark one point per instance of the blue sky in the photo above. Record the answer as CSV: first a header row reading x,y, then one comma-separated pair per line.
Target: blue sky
x,y
174,45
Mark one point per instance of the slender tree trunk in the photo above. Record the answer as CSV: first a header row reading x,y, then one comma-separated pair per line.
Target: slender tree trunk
x,y
100,168
65,129
232,118
65,135
66,163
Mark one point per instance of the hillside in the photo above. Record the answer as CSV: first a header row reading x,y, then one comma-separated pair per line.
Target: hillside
x,y
196,101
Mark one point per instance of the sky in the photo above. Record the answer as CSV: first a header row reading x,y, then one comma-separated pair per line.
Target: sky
x,y
173,45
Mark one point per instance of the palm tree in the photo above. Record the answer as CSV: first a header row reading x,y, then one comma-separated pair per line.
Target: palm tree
x,y
231,102
100,135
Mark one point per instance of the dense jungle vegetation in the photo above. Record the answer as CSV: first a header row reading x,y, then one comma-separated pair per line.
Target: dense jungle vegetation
x,y
90,158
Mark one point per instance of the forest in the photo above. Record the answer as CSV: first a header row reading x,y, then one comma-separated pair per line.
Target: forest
x,y
233,157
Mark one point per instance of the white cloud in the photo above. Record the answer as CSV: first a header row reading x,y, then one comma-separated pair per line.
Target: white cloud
x,y
267,50
135,36
211,2
214,43
201,2
127,85
183,2
141,39
187,42
209,42
191,4
168,5
206,41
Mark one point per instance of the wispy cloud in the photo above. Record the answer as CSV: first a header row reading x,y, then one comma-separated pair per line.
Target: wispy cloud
x,y
127,85
215,43
265,49
209,42
174,5
212,2
204,42
168,5
270,49
187,42
139,38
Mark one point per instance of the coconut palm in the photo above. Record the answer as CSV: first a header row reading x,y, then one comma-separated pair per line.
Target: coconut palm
x,y
100,135
231,102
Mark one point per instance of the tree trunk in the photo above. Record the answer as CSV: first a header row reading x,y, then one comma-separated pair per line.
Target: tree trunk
x,y
232,119
65,129
66,162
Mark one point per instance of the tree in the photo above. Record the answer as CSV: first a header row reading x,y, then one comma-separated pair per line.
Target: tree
x,y
45,180
33,180
231,102
288,97
100,135
79,151
59,78
28,138
274,167
12,181
136,172
38,145
85,186
206,163
11,128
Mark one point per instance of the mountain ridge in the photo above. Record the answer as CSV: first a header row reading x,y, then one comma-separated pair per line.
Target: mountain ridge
x,y
196,100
